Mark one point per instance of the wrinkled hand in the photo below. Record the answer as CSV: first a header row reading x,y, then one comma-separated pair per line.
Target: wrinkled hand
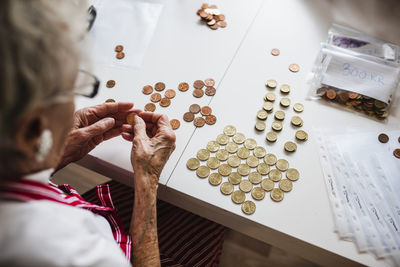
x,y
92,126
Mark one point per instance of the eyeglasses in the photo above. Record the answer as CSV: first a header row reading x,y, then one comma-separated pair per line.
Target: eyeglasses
x,y
86,84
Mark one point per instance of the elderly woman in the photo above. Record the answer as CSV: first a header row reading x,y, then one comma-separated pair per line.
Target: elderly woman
x,y
44,224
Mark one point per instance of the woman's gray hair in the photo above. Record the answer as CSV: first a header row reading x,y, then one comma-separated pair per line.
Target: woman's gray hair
x,y
39,56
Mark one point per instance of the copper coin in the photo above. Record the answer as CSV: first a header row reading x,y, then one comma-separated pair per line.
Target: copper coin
x,y
396,153
165,102
221,17
199,122
188,116
204,5
147,89
209,82
170,93
130,118
331,94
150,107
275,52
198,93
155,97
110,83
353,95
194,108
198,84
206,110
120,55
159,86
211,22
210,91
211,119
119,48
294,67
183,87
223,24
343,97
322,91
203,14
383,138
215,26
110,100
175,124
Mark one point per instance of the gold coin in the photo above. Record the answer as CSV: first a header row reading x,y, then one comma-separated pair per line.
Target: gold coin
x,y
298,107
294,67
290,146
248,207
250,143
243,153
270,97
234,161
226,188
222,139
285,185
245,186
252,161
297,121
213,163
285,102
243,169
275,175
239,138
213,146
255,177
282,164
301,135
268,106
262,114
267,184
277,126
259,152
222,155
276,195
224,169
263,168
260,126
292,174
230,130
271,84
270,159
193,164
285,88
203,171
258,193
215,178
231,147
110,100
279,115
203,154
238,197
234,178
272,136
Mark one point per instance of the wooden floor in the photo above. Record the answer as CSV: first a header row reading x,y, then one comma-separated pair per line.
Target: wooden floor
x,y
238,250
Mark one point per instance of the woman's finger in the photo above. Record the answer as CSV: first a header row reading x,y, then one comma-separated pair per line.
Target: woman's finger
x,y
139,128
127,136
112,133
98,128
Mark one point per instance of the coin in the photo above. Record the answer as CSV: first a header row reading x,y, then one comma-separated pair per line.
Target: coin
x,y
193,164
270,97
252,161
183,86
234,178
298,107
290,146
214,27
275,52
271,84
199,122
301,135
292,174
262,114
258,193
268,106
175,124
209,82
232,147
279,115
210,91
275,175
245,186
263,168
239,138
150,107
248,207
297,121
165,102
212,146
223,24
243,153
194,108
120,55
353,95
267,184
188,117
160,86
203,171
238,197
285,102
243,169
277,126
110,84
226,188
255,177
331,94
213,163
215,178
206,110
260,126
222,155
259,152
211,22
170,93
203,154
234,161
285,185
211,119
119,48
147,89
277,194
110,100
130,118
294,67
230,130
250,143
383,138
198,93
156,97
222,139
282,164
396,153
198,84
270,159
272,136
285,89
224,169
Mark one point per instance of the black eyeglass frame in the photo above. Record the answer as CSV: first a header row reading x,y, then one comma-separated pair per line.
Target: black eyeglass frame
x,y
95,85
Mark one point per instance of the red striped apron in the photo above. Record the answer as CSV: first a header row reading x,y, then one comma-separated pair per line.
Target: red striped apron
x,y
27,190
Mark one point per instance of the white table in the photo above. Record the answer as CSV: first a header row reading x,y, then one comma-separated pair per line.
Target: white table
x,y
238,58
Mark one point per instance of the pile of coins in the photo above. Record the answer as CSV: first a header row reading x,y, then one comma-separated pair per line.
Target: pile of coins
x,y
232,160
211,15
205,118
156,97
355,101
119,50
384,138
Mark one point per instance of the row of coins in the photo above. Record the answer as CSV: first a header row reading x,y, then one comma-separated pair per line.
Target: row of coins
x,y
235,157
200,121
211,15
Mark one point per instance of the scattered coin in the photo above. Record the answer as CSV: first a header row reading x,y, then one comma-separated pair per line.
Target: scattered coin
x,y
263,168
213,163
250,143
292,174
279,115
165,102
272,136
230,130
198,93
267,184
275,175
260,126
119,48
130,118
277,195
248,207
226,188
234,178
285,185
215,178
277,126
301,135
294,67
209,82
282,164
270,97
223,24
243,169
222,155
252,161
110,84
285,88
224,169
232,147
150,107
271,84
160,86
170,93
110,100
285,102
211,119
270,159
210,91
194,108
156,97
183,86
383,138
262,114
198,84
188,117
234,161
245,186
268,106
203,172
120,55
222,139
193,164
213,146
203,154
175,124
147,89
239,138
297,121
243,153
275,52
298,107
396,153
255,177
290,146
206,110
238,197
258,193
259,152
